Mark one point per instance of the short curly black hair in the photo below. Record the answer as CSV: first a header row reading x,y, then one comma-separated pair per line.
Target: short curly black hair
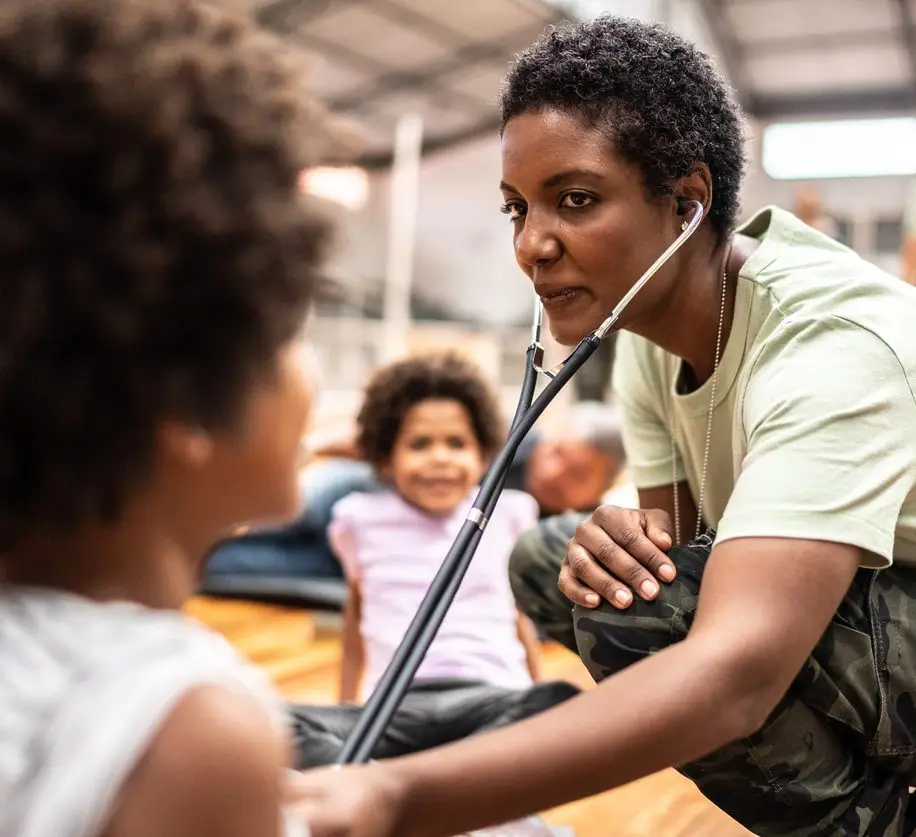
x,y
156,250
397,387
662,101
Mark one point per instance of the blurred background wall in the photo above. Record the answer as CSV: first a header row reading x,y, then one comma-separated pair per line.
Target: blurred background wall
x,y
424,255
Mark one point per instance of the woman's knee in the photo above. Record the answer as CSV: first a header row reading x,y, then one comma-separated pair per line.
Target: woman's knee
x,y
610,639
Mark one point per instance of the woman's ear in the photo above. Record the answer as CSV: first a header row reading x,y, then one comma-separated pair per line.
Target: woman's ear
x,y
695,186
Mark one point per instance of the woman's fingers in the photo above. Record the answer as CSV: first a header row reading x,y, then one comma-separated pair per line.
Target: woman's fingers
x,y
661,532
618,560
585,582
615,554
628,529
572,588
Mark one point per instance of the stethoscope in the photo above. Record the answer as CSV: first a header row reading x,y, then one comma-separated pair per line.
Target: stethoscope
x,y
392,686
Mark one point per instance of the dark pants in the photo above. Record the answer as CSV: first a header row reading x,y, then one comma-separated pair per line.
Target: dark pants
x,y
432,713
836,757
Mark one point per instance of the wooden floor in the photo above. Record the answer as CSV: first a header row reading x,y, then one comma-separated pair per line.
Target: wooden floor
x,y
301,653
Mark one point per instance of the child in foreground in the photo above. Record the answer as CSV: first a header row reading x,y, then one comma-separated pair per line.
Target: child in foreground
x,y
158,265
429,425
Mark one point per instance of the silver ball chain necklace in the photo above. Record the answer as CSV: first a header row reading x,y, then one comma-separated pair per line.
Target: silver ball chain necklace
x,y
712,404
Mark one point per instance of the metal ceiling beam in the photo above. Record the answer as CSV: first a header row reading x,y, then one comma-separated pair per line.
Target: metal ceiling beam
x,y
730,48
908,33
816,43
843,103
284,16
349,56
393,82
833,104
422,23
486,127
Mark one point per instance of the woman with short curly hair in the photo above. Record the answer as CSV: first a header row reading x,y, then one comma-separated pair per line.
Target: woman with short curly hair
x,y
765,378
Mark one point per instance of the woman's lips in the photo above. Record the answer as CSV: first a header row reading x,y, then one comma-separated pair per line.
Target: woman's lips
x,y
559,299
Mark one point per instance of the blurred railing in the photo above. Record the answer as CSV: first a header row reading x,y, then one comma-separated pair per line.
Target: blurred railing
x,y
349,348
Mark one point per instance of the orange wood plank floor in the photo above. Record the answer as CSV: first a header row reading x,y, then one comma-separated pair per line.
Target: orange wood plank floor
x,y
301,652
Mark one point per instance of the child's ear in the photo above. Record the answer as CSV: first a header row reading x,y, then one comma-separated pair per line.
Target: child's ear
x,y
187,445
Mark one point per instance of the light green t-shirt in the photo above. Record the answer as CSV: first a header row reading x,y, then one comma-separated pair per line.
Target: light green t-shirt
x,y
814,426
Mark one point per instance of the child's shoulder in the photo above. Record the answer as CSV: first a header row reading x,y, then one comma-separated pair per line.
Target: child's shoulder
x,y
81,659
213,762
363,506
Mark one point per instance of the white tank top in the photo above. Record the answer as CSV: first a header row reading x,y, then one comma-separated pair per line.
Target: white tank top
x,y
84,688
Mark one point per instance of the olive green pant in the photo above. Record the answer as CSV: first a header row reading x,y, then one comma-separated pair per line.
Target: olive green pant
x,y
836,757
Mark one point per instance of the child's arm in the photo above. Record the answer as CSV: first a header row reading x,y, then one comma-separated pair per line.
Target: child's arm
x,y
528,636
214,768
351,669
343,543
526,516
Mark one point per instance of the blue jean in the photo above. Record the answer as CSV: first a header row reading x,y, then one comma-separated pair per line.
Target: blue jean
x,y
299,549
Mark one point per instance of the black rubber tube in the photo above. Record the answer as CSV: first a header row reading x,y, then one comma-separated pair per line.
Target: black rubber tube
x,y
393,685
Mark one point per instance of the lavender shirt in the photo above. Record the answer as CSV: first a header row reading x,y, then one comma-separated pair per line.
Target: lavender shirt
x,y
393,550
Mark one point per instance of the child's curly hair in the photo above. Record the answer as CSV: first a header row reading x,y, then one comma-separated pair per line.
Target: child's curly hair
x,y
156,251
395,388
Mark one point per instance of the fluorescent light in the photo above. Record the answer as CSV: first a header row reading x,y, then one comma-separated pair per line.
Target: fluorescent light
x,y
846,148
348,186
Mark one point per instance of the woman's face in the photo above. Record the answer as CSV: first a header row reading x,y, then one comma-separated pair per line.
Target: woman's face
x,y
584,225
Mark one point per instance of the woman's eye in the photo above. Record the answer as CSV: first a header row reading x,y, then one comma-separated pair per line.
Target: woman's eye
x,y
576,200
514,209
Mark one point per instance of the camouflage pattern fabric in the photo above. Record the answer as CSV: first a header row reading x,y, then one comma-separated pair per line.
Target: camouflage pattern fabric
x,y
836,757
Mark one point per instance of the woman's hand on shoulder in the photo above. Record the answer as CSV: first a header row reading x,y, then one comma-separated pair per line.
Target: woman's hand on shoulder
x,y
617,553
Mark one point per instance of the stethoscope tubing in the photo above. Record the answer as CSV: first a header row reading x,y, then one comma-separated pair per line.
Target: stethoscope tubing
x,y
395,681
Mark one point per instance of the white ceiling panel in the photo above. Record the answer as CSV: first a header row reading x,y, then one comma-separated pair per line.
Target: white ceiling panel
x,y
484,19
482,82
331,77
768,20
829,70
379,39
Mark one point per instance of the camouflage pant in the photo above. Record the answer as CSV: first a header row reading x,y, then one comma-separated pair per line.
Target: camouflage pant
x,y
836,757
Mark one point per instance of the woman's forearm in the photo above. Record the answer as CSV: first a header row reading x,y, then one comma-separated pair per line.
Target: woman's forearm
x,y
669,709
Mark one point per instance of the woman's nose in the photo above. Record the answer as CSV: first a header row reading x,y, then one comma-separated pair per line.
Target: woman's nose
x,y
535,243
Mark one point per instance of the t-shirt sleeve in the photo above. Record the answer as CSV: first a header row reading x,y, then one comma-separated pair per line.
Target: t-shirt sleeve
x,y
342,539
828,417
640,384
